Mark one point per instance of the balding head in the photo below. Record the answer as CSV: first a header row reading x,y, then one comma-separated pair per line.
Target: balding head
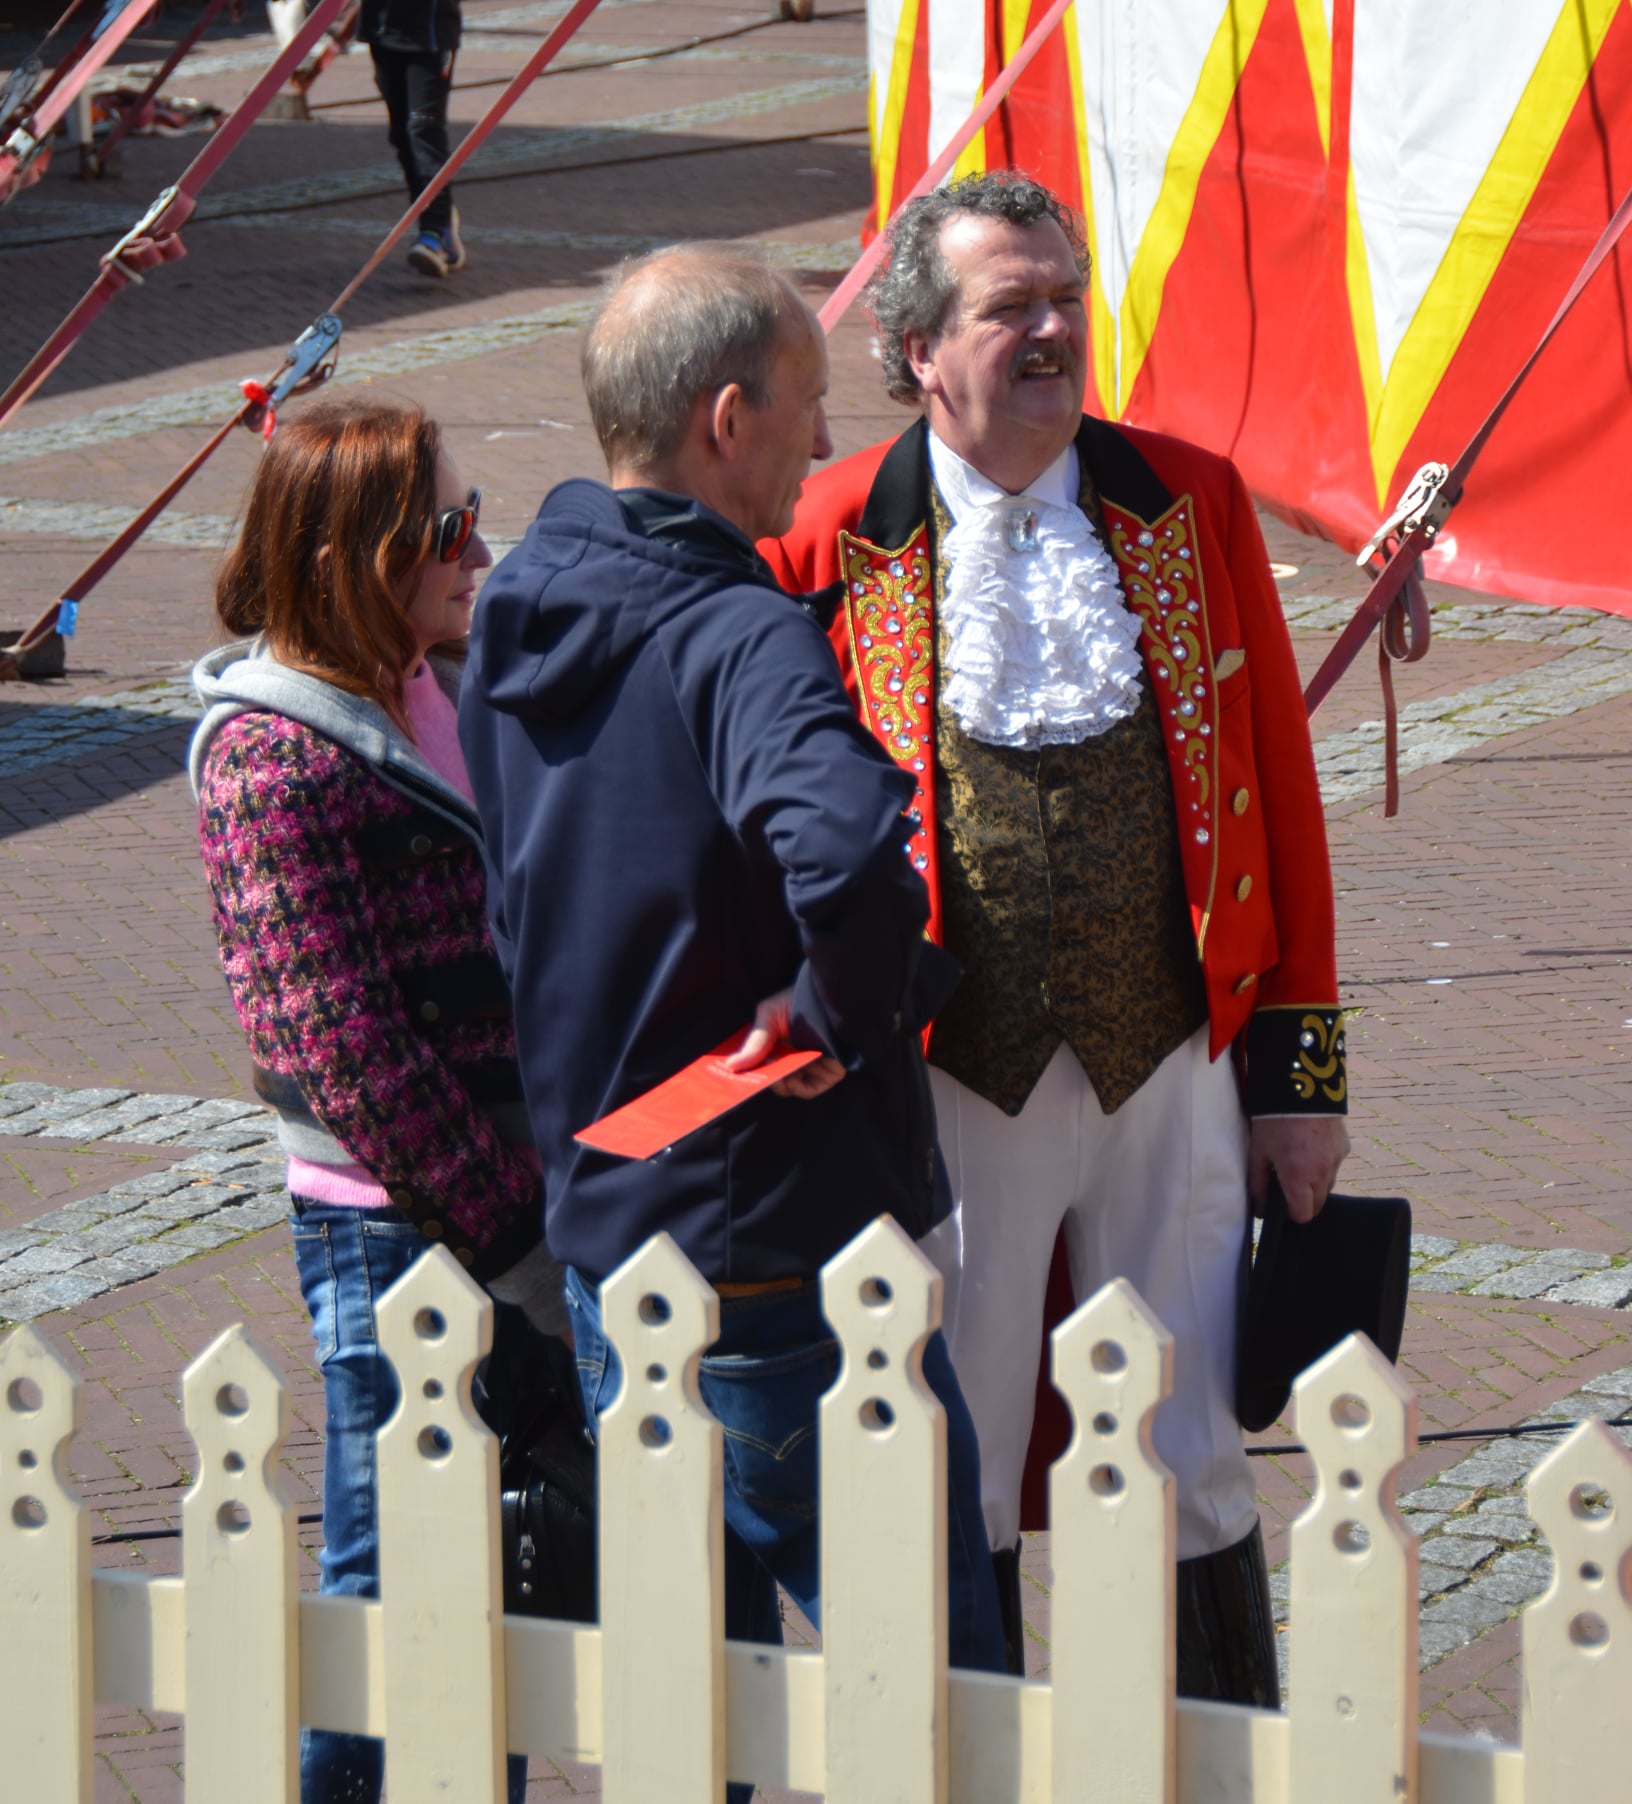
x,y
673,328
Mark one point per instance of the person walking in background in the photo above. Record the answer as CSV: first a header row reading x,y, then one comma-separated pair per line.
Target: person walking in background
x,y
688,831
413,44
342,852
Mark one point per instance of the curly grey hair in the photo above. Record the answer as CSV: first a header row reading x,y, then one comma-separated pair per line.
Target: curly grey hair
x,y
914,285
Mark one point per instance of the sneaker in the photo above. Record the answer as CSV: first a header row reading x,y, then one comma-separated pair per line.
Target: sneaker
x,y
438,253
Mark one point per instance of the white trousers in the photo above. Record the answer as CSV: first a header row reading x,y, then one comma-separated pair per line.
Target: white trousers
x,y
1156,1194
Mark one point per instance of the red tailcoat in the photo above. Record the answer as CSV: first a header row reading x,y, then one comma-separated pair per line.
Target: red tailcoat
x,y
1194,571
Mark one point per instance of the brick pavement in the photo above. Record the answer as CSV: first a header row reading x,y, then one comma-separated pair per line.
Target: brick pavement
x,y
1484,933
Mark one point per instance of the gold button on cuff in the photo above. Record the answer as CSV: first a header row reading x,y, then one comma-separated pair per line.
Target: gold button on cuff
x,y
1246,983
464,1255
1239,801
429,1011
402,1196
432,1230
1243,889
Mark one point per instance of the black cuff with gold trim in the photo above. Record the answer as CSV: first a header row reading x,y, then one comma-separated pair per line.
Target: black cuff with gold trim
x,y
1297,1061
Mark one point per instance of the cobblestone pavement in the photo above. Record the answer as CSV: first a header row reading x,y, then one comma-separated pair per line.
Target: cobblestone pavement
x,y
1486,934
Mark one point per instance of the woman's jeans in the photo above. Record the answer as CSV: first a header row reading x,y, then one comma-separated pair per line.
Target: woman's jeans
x,y
347,1259
763,1381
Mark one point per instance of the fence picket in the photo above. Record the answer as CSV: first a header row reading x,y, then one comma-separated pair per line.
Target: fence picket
x,y
1354,1586
662,1540
240,1581
45,1581
883,1528
439,1546
1113,1520
1578,1635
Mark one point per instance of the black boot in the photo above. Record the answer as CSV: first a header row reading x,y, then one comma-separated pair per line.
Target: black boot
x,y
1226,1635
1006,1565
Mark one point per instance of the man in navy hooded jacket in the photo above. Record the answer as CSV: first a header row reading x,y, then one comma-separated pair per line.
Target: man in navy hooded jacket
x,y
687,832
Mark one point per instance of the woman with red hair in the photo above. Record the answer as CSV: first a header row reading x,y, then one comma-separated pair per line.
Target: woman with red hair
x,y
344,859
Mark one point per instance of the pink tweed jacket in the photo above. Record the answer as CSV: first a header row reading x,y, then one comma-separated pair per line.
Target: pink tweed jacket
x,y
317,942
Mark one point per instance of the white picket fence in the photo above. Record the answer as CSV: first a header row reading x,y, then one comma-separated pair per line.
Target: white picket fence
x,y
656,1694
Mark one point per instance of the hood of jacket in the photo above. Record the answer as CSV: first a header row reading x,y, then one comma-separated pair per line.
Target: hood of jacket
x,y
244,678
567,608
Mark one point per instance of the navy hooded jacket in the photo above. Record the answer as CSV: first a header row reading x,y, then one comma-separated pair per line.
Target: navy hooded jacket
x,y
682,816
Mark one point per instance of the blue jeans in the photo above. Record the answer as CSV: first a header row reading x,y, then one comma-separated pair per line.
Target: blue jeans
x,y
763,1381
347,1259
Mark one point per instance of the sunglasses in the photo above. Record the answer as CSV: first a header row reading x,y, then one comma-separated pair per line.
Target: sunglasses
x,y
451,532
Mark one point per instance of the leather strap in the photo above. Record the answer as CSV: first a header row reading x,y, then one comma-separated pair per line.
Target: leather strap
x,y
1396,599
132,115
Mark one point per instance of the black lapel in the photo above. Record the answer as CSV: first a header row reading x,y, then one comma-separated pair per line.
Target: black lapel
x,y
898,502
1119,473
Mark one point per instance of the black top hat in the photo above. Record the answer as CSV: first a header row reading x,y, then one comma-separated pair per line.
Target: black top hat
x,y
1312,1283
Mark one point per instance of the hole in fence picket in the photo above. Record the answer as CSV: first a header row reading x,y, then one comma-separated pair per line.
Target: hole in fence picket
x,y
1349,1479
28,1512
1351,1537
432,1388
430,1324
28,1459
655,1310
1592,1503
1589,1630
1105,1423
656,1374
876,1292
1591,1572
1107,1481
1108,1357
1351,1412
24,1396
232,1400
232,1519
435,1443
234,1463
877,1415
877,1359
655,1432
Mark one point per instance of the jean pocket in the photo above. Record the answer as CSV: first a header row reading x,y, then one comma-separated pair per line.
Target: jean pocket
x,y
768,1410
319,1288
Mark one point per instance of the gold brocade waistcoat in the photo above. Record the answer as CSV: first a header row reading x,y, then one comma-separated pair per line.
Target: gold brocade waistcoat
x,y
1063,898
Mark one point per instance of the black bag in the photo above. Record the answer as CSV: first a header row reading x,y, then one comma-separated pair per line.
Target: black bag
x,y
528,1395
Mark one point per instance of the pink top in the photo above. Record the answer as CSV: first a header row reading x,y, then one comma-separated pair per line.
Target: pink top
x,y
434,723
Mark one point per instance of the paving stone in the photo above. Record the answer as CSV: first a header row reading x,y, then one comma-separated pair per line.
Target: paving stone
x,y
30,1301
1436,1641
137,1262
202,1118
1598,1290
1436,1497
1487,1523
202,1236
41,1261
251,1218
1515,1584
28,1096
1432,1579
186,1205
231,1139
1465,1609
1422,1522
218,1164
1524,1280
13,1240
1480,1261
1611,1384
154,1184
55,1119
1465,1551
101,1122
1432,1246
71,1218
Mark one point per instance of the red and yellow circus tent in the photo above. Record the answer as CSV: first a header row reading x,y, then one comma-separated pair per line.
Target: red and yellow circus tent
x,y
1326,233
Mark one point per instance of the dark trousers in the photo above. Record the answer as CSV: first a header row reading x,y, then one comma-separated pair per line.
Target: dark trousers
x,y
415,85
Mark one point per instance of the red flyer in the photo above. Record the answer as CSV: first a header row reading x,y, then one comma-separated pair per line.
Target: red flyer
x,y
705,1090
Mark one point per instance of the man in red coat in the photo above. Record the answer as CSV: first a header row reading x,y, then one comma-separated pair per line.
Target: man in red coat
x,y
1068,632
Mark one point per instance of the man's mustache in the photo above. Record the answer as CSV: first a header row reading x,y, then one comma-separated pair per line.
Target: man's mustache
x,y
1044,362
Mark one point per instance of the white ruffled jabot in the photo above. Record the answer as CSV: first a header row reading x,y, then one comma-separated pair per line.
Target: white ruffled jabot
x,y
1042,649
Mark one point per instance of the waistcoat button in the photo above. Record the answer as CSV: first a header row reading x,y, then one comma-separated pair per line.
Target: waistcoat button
x,y
1238,802
1246,983
1243,889
428,1011
420,844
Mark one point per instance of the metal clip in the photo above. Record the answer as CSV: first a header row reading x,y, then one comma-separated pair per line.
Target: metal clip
x,y
1424,504
141,229
23,145
306,354
19,86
